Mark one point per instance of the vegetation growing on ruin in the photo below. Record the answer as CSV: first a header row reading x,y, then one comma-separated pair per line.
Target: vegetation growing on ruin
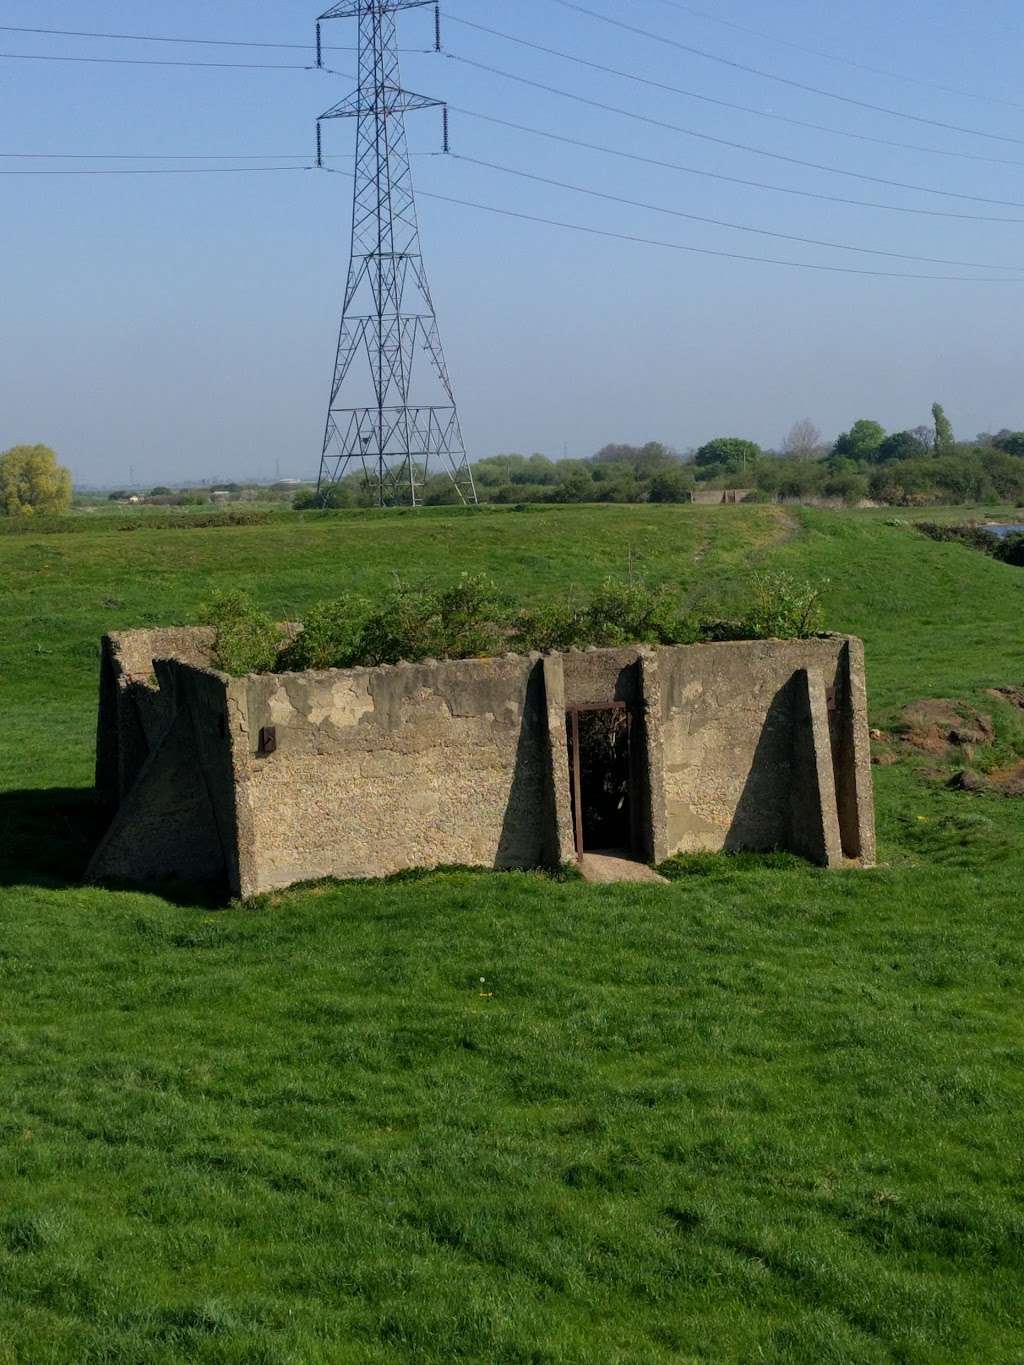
x,y
473,618
763,1113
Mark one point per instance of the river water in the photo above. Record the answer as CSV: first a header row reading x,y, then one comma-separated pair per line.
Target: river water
x,y
1004,530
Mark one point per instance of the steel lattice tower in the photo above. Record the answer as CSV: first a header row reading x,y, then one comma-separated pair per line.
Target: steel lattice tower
x,y
392,408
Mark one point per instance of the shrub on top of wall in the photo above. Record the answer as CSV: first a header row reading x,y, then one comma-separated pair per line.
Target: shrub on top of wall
x,y
246,640
472,618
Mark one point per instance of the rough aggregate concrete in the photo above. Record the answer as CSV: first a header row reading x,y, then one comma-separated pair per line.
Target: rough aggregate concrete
x,y
752,745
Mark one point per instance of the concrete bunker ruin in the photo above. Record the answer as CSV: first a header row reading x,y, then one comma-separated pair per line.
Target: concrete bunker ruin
x,y
259,782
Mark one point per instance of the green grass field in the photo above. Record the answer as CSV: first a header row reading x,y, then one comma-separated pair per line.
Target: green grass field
x,y
762,1114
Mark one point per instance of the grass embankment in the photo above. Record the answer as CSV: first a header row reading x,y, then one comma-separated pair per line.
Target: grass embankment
x,y
759,1114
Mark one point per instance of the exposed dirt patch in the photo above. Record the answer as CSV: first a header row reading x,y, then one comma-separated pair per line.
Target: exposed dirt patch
x,y
1009,781
938,726
957,733
1014,695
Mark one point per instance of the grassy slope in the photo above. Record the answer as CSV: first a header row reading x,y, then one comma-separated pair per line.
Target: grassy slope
x,y
759,1114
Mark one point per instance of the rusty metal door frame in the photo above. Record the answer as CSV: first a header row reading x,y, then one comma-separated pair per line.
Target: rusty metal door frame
x,y
572,715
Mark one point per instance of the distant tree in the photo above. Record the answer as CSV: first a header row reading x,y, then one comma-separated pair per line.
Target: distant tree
x,y
902,445
31,481
861,442
945,441
578,486
925,436
643,461
161,492
804,441
616,453
846,484
652,458
728,454
569,470
671,485
120,496
1012,442
538,469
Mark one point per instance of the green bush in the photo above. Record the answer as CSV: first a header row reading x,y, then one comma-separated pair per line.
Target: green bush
x,y
618,614
621,613
472,618
330,637
782,607
246,639
469,619
976,537
1011,551
671,485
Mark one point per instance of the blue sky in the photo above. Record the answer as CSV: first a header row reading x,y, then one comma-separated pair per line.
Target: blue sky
x,y
183,326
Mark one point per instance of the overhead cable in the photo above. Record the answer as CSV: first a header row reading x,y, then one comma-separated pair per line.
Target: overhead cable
x,y
728,104
783,80
165,170
729,179
721,222
900,76
705,251
152,61
192,42
725,142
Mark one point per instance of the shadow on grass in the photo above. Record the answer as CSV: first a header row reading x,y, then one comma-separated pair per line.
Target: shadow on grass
x,y
47,838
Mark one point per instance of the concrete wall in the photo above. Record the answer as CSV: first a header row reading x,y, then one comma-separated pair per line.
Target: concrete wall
x,y
264,781
379,770
747,734
134,711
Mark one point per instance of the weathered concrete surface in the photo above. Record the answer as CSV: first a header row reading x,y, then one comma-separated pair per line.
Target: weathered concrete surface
x,y
384,769
602,868
264,781
749,765
134,711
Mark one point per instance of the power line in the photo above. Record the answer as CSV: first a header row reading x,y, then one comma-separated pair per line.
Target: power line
x,y
194,42
146,38
151,156
727,104
720,222
705,251
725,142
674,4
167,170
730,179
152,61
533,132
833,57
783,80
146,156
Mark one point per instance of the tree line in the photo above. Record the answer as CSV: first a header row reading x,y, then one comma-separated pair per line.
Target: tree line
x,y
921,466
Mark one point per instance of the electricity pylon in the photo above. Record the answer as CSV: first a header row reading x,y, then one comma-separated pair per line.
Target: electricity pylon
x,y
392,410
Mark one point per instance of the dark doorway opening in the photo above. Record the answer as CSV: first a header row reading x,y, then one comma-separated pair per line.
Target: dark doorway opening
x,y
601,769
